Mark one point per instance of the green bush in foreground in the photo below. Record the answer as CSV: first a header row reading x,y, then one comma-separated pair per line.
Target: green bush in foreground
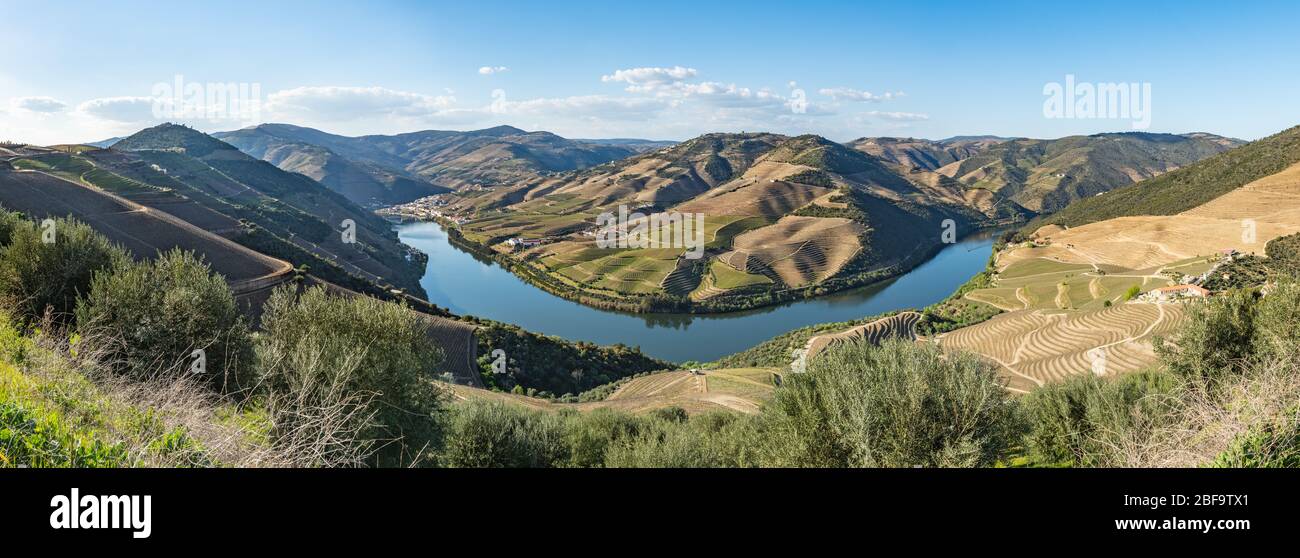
x,y
1275,445
898,405
1215,342
371,361
483,434
1076,422
150,317
36,275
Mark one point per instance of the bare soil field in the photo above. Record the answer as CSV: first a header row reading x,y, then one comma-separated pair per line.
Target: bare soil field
x,y
1034,347
735,389
797,250
1271,205
901,325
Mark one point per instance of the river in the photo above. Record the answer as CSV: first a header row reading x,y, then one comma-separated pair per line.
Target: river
x,y
471,285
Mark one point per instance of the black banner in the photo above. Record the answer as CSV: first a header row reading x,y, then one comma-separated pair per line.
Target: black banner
x,y
548,507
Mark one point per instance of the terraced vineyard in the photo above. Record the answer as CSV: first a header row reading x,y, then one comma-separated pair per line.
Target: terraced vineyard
x,y
139,229
796,250
901,325
627,271
1034,347
734,389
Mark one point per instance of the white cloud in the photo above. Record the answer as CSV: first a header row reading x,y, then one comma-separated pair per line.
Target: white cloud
x,y
119,109
489,70
589,107
857,95
351,103
44,105
898,116
650,79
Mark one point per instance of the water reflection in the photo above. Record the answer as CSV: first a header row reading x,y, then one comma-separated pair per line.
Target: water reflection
x,y
470,284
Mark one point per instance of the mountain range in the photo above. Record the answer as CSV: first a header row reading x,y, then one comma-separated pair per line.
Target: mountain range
x,y
1045,175
382,170
213,185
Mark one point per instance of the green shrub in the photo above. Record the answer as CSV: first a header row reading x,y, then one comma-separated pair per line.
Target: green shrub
x,y
9,222
1216,340
333,347
1273,445
1277,316
706,441
36,276
897,405
150,317
1076,422
591,435
43,440
484,434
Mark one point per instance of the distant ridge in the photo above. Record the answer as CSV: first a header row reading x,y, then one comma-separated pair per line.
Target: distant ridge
x,y
391,169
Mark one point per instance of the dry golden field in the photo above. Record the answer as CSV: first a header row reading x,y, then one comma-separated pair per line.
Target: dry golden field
x,y
734,389
798,250
1271,203
901,325
1034,347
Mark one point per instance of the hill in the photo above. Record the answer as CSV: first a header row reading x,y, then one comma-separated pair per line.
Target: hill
x,y
923,154
286,215
638,145
1187,187
446,159
1046,175
1072,296
143,232
784,217
742,390
365,183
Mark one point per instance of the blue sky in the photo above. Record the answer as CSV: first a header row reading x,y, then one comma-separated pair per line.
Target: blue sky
x,y
82,71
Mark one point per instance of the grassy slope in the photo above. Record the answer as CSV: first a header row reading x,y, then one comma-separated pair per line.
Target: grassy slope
x,y
51,415
1187,187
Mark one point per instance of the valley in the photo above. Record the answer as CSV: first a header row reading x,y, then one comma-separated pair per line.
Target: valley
x,y
850,228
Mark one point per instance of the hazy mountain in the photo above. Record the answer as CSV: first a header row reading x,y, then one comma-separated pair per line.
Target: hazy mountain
x,y
448,159
105,143
639,145
1046,175
363,182
914,153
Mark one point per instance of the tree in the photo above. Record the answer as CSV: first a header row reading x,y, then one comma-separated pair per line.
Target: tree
x,y
171,315
358,345
897,405
46,268
1216,341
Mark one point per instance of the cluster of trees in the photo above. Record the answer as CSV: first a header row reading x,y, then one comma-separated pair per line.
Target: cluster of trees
x,y
551,367
345,380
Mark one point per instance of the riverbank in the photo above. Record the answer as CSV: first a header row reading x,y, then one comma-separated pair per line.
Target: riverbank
x,y
742,301
470,283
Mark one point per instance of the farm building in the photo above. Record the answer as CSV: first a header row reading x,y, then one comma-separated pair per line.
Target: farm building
x,y
525,242
1175,292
